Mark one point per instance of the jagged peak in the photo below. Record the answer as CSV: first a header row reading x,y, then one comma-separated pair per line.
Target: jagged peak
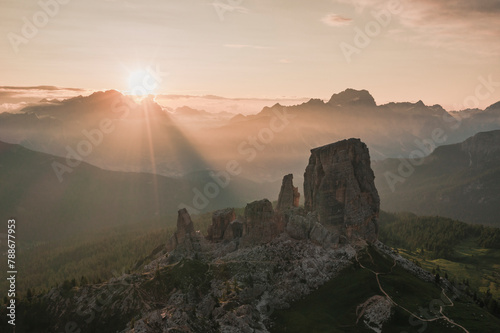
x,y
315,101
420,104
352,97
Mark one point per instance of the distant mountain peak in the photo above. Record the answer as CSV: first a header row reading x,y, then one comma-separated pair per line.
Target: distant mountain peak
x,y
494,106
420,104
352,97
315,101
189,111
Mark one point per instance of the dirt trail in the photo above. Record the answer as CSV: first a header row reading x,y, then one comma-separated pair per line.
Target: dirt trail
x,y
443,316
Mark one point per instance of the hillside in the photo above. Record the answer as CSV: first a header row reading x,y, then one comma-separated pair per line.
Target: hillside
x,y
89,198
348,303
460,181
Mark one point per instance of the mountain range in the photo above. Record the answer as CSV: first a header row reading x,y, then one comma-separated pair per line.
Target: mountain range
x,y
461,181
143,136
108,145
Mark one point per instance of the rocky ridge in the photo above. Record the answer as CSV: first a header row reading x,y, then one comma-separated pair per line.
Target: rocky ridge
x,y
248,266
264,242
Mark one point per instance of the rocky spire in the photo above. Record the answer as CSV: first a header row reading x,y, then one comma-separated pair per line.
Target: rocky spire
x,y
289,195
184,236
339,186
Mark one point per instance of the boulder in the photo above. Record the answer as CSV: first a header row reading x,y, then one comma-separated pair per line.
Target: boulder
x,y
322,236
298,227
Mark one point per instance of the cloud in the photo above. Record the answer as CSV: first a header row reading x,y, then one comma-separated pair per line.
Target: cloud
x,y
33,94
285,61
471,26
38,88
12,107
334,20
246,46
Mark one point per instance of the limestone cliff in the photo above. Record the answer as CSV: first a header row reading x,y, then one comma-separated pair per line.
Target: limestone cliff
x,y
339,186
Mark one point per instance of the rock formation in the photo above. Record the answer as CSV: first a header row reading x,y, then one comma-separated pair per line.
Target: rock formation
x,y
261,224
220,222
341,201
289,195
301,225
185,237
234,230
339,186
248,266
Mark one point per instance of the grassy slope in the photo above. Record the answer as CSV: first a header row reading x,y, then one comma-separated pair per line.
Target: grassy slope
x,y
332,307
481,267
466,260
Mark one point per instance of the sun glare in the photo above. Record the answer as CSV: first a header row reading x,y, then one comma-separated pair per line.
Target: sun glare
x,y
142,83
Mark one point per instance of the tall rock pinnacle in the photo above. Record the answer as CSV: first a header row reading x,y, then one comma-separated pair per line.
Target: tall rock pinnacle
x,y
339,186
184,239
289,195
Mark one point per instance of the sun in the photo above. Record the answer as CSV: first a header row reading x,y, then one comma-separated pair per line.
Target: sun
x,y
142,82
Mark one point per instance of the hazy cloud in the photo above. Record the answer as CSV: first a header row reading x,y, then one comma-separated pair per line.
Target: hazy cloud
x,y
472,26
50,88
12,107
334,20
246,46
10,96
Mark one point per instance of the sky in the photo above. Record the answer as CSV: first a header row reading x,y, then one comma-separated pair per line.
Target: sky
x,y
441,52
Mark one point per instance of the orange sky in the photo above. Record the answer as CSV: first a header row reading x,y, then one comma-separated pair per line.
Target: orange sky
x,y
444,52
